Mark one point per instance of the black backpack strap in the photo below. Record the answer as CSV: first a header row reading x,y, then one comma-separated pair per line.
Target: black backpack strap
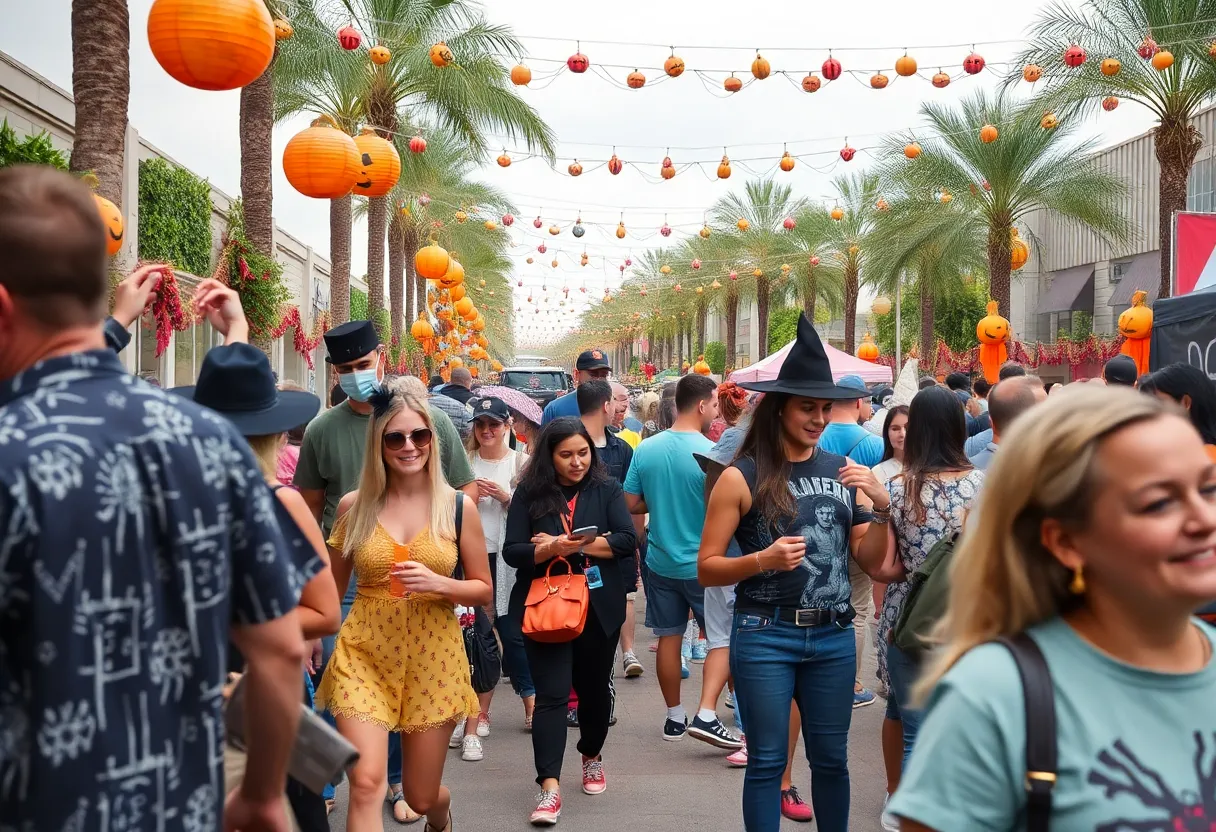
x,y
458,572
1041,751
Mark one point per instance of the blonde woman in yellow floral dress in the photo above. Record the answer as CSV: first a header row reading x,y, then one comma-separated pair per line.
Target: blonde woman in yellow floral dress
x,y
399,664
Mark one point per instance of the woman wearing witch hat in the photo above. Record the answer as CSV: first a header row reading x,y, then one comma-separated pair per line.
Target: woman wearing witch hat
x,y
796,524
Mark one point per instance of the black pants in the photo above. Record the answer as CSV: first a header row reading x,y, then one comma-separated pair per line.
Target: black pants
x,y
584,663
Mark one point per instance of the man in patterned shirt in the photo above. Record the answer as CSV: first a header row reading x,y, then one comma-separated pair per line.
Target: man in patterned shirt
x,y
136,537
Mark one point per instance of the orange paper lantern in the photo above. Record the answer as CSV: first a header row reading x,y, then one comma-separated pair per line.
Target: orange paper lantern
x,y
111,218
381,165
216,45
322,161
432,262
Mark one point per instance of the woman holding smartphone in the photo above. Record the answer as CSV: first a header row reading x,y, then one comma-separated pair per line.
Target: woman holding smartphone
x,y
567,507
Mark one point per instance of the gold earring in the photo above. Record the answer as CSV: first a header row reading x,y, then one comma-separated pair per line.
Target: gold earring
x,y
1077,585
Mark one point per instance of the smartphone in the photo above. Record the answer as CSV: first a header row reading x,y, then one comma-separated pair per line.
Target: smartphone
x,y
586,534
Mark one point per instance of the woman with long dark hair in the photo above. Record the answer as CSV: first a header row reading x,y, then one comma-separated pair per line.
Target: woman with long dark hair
x,y
788,505
1190,387
929,501
565,488
894,436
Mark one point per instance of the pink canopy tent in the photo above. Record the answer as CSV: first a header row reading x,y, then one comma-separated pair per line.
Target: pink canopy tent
x,y
842,363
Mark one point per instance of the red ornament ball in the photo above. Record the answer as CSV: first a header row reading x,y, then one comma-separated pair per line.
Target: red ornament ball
x,y
418,145
1148,48
831,69
847,153
1074,56
665,230
349,38
508,219
578,63
536,223
789,224
973,64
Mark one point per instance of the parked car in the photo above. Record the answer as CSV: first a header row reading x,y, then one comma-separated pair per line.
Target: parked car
x,y
541,384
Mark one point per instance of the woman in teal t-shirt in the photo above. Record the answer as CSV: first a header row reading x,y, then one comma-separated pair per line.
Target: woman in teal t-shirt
x,y
1096,536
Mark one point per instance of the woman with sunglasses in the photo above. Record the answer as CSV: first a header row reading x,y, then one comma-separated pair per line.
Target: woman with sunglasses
x,y
566,489
399,664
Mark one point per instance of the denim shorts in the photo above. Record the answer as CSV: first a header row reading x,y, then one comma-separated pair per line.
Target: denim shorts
x,y
668,602
719,615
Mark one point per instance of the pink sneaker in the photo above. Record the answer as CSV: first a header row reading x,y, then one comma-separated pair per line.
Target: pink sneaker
x,y
794,807
739,758
593,776
548,809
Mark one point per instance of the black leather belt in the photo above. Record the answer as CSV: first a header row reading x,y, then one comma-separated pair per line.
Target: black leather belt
x,y
799,618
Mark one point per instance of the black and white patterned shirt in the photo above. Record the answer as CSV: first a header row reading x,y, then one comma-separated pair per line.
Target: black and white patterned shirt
x,y
135,529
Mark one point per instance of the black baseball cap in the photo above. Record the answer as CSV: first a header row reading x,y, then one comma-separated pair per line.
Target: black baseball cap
x,y
490,406
592,360
1120,370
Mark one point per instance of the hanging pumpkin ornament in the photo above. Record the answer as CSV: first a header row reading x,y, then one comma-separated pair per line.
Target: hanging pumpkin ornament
x,y
575,168
381,166
665,230
584,260
992,330
219,45
665,269
761,68
380,55
504,161
1136,325
554,230
1110,66
905,67
757,272
451,278
635,80
529,261
724,167
1148,48
847,152
461,217
732,84
1019,252
1074,56
521,76
349,38
837,213
912,150
578,229
1109,103
578,63
989,134
1049,121
813,261
536,223
789,224
440,55
615,165
490,225
811,83
542,248
431,261
111,218
668,170
941,80
715,284
322,162
946,197
867,350
787,162
1163,60
1032,72
882,204
742,224
628,261
508,220
677,288
417,145
704,232
620,231
831,68
973,64
785,268
283,29
879,81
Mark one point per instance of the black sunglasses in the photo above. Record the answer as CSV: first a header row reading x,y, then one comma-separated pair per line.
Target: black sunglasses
x,y
395,440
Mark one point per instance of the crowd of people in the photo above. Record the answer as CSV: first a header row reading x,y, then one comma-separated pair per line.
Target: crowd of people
x,y
1024,560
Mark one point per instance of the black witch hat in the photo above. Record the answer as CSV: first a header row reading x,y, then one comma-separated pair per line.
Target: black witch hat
x,y
806,371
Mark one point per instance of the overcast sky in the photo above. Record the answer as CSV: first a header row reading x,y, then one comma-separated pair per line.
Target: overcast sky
x,y
591,114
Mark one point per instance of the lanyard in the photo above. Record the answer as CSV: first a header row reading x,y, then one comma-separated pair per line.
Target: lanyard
x,y
568,520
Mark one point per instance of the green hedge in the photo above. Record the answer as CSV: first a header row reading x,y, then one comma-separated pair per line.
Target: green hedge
x,y
782,326
31,150
174,217
715,357
954,318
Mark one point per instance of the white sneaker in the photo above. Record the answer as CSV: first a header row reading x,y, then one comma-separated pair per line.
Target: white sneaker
x,y
483,725
888,821
457,735
472,749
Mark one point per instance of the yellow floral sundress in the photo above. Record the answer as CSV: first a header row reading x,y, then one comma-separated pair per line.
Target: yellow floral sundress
x,y
398,662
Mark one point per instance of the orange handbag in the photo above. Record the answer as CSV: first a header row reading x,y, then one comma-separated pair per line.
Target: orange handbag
x,y
556,608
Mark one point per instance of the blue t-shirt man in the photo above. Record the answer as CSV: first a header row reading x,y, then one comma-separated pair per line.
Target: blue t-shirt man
x,y
566,405
667,476
849,438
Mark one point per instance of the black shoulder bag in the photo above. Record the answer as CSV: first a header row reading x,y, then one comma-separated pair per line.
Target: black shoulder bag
x,y
480,645
1041,745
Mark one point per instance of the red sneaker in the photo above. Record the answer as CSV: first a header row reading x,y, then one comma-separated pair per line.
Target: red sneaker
x,y
593,776
794,807
548,809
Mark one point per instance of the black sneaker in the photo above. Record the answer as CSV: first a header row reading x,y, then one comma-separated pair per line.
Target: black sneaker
x,y
572,717
674,731
714,733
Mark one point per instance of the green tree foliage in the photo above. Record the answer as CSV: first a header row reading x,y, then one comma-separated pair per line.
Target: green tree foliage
x,y
782,327
955,315
30,150
258,279
715,357
174,217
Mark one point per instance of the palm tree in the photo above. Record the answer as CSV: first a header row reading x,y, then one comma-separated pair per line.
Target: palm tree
x,y
1027,168
467,100
256,126
101,87
1117,29
815,274
848,239
938,245
763,247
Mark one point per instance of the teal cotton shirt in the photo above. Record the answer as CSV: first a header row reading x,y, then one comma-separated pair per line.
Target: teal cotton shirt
x,y
665,474
853,441
1136,748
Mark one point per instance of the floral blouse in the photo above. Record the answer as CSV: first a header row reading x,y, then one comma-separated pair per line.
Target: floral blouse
x,y
946,501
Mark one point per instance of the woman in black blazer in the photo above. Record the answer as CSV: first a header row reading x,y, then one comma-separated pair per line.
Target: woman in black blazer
x,y
563,474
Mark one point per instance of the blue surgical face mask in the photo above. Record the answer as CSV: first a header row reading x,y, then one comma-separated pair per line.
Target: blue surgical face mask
x,y
360,384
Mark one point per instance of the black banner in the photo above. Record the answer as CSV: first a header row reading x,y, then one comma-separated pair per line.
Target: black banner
x,y
1184,330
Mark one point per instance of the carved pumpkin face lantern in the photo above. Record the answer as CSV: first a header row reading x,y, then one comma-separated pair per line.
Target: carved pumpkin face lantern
x,y
380,164
674,66
1074,56
1136,322
811,83
440,55
732,84
578,63
941,80
992,328
349,38
615,165
973,64
111,218
635,80
452,278
380,55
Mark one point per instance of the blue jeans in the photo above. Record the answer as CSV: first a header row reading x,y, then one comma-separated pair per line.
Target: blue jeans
x,y
668,602
904,671
773,663
514,660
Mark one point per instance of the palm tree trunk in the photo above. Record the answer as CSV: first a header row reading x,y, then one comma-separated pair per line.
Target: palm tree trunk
x,y
732,326
1177,143
808,296
396,277
999,268
702,314
409,248
850,308
377,220
928,343
679,348
257,122
762,292
101,84
339,259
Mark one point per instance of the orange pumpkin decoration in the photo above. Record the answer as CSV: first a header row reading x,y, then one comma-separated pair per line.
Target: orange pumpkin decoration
x,y
217,45
787,162
504,161
761,68
453,277
635,80
1019,252
283,30
674,66
701,367
111,218
905,67
838,213
724,168
380,55
867,350
422,328
742,224
575,168
668,170
989,134
1110,66
440,55
732,84
992,330
464,308
381,164
432,262
620,231
879,81
1032,73
1049,121
1163,60
1109,103
1136,325
521,76
479,323
456,293
941,80
811,83
912,150
322,161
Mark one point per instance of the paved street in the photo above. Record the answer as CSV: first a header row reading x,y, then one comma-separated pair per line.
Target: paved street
x,y
652,784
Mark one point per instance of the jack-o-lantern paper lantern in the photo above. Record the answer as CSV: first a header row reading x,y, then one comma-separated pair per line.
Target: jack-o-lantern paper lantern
x,y
674,66
1049,121
440,55
381,166
989,134
724,168
615,165
879,81
867,350
380,55
905,67
838,213
761,68
1109,103
847,153
575,169
912,150
1019,252
635,80
1032,73
432,261
1074,56
973,64
941,80
811,83
620,231
417,145
1136,325
322,162
1110,66
578,63
111,218
456,293
742,224
787,162
217,45
831,69
992,331
732,84
453,277
667,170
521,76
